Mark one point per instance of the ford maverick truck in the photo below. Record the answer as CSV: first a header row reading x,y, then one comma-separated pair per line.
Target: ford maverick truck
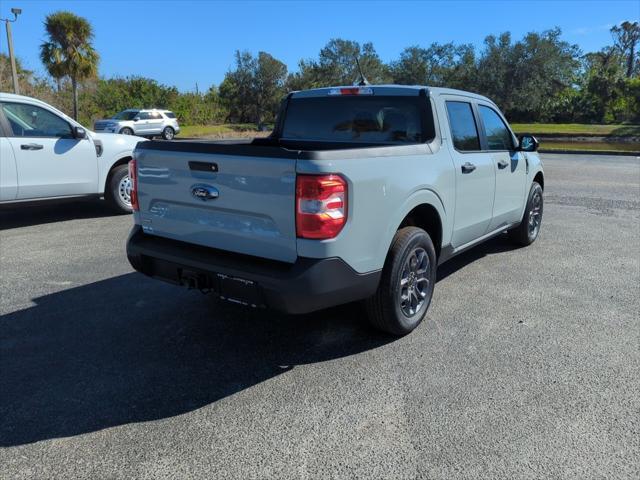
x,y
359,193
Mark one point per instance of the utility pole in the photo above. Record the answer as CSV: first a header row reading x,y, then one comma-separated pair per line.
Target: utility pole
x,y
12,57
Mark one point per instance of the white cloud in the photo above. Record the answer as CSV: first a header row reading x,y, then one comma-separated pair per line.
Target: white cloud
x,y
589,30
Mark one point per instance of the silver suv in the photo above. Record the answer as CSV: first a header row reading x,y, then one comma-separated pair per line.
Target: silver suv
x,y
144,123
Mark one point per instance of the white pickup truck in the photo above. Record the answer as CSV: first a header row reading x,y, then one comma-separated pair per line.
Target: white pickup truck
x,y
358,194
46,155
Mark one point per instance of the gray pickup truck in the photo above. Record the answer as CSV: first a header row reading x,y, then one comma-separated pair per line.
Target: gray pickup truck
x,y
358,194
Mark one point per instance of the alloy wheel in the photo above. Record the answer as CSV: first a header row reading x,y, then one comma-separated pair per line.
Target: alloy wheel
x,y
414,282
535,214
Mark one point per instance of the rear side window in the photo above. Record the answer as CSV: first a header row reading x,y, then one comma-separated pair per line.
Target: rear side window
x,y
144,115
170,114
463,126
355,119
126,115
498,135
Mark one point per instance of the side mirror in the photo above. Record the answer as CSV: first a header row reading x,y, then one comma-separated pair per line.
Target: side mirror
x,y
528,143
135,119
79,133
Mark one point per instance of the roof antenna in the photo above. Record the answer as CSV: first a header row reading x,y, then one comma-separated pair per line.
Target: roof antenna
x,y
362,81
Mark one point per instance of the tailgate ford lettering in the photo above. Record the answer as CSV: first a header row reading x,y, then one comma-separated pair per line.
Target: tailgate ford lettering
x,y
204,192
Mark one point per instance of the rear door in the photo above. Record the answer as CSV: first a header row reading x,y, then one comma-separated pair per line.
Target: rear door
x,y
475,174
510,167
239,203
155,123
50,162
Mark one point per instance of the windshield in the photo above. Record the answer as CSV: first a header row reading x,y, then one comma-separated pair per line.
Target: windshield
x,y
126,115
355,119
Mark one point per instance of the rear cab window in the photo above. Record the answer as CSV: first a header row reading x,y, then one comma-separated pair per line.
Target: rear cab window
x,y
358,119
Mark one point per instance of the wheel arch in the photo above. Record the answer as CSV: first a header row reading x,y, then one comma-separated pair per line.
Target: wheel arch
x,y
426,217
539,178
121,161
423,209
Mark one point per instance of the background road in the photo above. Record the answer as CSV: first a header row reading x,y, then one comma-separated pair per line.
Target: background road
x,y
527,365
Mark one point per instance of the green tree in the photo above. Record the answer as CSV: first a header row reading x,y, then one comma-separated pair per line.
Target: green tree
x,y
252,91
6,81
437,65
412,68
269,86
626,36
237,89
600,85
336,65
524,78
30,83
68,51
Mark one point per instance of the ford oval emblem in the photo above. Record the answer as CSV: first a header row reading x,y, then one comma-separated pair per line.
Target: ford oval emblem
x,y
204,192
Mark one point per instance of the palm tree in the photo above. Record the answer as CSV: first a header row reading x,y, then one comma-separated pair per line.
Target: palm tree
x,y
69,52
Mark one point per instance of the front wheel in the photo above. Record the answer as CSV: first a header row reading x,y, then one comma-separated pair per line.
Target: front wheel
x,y
527,232
118,191
168,133
407,283
126,131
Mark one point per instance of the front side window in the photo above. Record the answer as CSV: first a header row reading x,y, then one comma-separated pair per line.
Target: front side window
x,y
498,135
463,126
31,121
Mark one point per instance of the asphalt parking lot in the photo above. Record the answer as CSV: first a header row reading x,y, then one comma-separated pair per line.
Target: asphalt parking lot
x,y
527,366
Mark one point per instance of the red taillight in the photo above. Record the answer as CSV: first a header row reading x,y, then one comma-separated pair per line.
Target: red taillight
x,y
133,177
321,206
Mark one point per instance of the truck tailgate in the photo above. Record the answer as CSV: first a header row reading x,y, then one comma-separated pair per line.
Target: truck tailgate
x,y
239,203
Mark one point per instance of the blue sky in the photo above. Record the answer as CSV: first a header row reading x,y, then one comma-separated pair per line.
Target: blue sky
x,y
187,42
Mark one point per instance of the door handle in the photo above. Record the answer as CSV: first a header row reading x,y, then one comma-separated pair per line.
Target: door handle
x,y
31,146
503,164
468,167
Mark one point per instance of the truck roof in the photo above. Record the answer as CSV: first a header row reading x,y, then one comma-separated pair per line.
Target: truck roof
x,y
389,89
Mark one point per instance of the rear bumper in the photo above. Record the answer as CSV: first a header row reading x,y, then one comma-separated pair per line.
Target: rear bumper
x,y
307,285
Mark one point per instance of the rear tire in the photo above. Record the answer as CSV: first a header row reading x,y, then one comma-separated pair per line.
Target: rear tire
x,y
126,131
407,283
168,133
118,191
529,229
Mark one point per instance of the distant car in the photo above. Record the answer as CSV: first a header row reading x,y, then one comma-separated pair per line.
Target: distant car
x,y
144,123
45,155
